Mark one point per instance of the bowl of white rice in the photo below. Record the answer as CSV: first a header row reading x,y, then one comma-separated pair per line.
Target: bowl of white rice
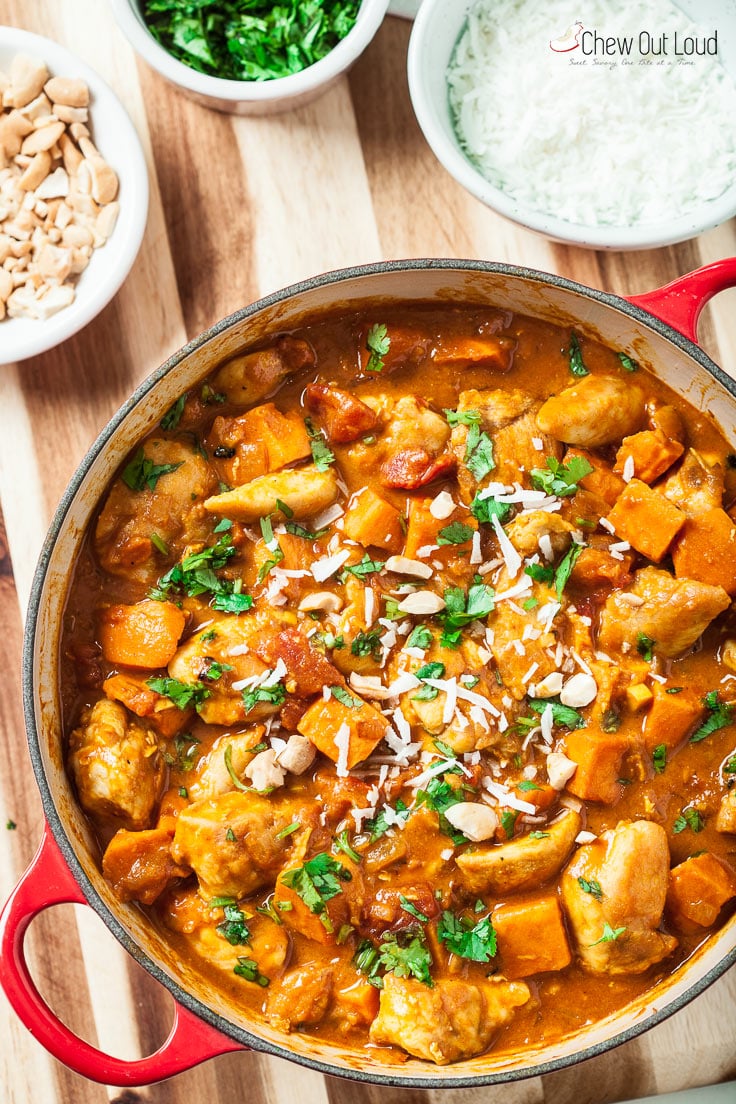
x,y
609,124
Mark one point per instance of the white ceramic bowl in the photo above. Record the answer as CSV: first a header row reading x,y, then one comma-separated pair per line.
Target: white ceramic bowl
x,y
117,140
252,97
437,28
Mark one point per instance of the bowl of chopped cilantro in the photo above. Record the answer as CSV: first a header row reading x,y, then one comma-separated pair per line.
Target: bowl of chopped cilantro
x,y
250,56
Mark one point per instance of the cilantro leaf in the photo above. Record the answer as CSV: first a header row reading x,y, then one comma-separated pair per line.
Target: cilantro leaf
x,y
565,567
247,968
461,609
721,715
659,758
172,417
420,637
539,572
558,478
609,935
455,533
476,942
368,643
575,356
406,954
377,343
345,697
272,545
411,908
182,694
462,417
274,695
380,823
317,882
141,472
645,646
627,363
341,843
591,886
479,454
429,670
483,509
322,455
563,715
688,818
367,566
300,531
234,927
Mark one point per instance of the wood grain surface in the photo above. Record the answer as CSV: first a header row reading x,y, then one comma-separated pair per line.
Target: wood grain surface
x,y
240,207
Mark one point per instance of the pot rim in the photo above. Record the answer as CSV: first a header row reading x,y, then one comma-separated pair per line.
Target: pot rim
x,y
392,1077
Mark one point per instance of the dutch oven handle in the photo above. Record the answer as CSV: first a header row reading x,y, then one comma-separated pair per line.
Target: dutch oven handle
x,y
679,304
48,881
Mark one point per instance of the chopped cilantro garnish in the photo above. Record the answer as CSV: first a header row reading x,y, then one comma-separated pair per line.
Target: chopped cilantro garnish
x,y
182,694
317,882
429,670
185,752
721,715
440,796
462,417
729,767
247,968
159,544
345,698
299,530
367,643
234,927
539,572
406,954
172,417
141,472
609,935
377,343
207,394
230,836
575,357
688,818
288,830
645,646
537,835
508,821
285,509
565,567
367,566
476,942
526,785
659,758
461,609
342,844
627,363
455,533
380,824
274,695
591,886
563,715
412,909
321,453
483,509
419,637
529,604
212,670
272,545
558,478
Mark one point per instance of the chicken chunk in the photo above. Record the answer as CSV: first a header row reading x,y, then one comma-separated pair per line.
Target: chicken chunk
x,y
233,647
615,930
302,999
344,417
215,778
523,863
595,411
232,867
169,507
726,820
116,765
695,485
139,865
451,1021
269,946
249,378
509,419
304,491
414,445
509,623
526,531
673,613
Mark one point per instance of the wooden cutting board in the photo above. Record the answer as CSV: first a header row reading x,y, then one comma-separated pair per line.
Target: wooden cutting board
x,y
239,208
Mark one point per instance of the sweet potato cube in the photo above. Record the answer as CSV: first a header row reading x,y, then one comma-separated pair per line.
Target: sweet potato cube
x,y
324,720
162,715
423,528
144,635
405,346
706,550
602,481
296,915
371,520
646,519
651,452
671,718
531,937
359,1003
139,864
698,890
494,353
284,436
596,567
599,757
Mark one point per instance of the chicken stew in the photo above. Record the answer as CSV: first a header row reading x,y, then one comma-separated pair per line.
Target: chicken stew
x,y
397,673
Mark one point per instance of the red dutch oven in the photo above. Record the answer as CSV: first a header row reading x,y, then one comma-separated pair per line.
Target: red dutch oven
x,y
659,330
